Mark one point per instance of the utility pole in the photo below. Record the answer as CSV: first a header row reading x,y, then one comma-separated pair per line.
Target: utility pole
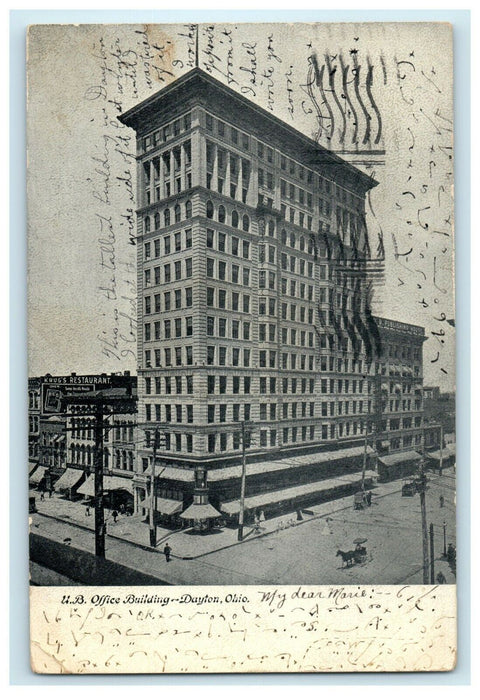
x,y
99,512
441,451
242,488
364,465
153,492
432,556
423,508
444,538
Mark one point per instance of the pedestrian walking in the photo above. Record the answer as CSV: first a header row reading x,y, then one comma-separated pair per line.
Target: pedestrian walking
x,y
442,501
42,496
369,498
441,578
167,550
50,491
114,516
87,511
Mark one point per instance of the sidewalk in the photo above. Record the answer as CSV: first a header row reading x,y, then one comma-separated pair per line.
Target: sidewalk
x,y
187,544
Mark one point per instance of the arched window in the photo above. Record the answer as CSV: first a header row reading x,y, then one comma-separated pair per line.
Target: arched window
x,y
284,237
292,240
178,215
147,224
89,455
188,209
271,228
302,243
209,210
130,461
245,222
166,217
234,219
157,220
221,214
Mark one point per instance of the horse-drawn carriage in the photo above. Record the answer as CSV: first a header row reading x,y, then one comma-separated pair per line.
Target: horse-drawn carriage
x,y
354,556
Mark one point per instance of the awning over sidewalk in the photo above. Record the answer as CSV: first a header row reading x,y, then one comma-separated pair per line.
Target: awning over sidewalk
x,y
448,451
69,479
288,463
200,512
37,475
110,483
399,458
273,497
167,506
172,473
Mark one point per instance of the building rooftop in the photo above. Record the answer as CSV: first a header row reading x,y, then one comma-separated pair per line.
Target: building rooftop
x,y
198,87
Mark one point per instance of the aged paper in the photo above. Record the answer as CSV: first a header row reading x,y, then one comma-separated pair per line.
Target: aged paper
x,y
241,348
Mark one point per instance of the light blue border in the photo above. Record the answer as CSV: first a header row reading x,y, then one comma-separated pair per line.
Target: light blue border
x,y
20,673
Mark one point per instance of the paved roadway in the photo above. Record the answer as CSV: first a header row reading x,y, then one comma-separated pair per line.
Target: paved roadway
x,y
305,553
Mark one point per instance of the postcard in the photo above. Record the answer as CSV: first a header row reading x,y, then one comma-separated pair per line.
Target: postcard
x,y
241,393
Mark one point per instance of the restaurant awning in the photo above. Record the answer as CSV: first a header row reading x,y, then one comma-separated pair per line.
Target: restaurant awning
x,y
37,475
69,479
273,497
167,506
110,483
199,511
398,458
288,463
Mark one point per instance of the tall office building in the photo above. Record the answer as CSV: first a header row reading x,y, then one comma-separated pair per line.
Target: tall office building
x,y
254,322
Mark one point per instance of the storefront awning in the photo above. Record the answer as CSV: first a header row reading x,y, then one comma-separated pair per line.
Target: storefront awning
x,y
399,458
167,506
273,497
171,473
110,483
448,451
200,512
69,479
37,475
319,459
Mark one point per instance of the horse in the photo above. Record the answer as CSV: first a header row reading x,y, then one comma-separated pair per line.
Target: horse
x,y
348,557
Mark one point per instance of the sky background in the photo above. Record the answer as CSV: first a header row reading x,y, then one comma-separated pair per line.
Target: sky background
x,y
82,267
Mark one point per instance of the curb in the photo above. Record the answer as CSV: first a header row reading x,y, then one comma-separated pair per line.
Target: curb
x,y
148,548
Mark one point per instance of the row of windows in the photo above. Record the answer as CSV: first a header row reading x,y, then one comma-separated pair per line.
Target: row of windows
x,y
294,193
167,412
232,357
225,243
217,269
171,130
233,192
218,298
175,441
179,356
177,385
171,271
172,328
176,299
233,218
228,328
182,240
239,138
153,223
291,409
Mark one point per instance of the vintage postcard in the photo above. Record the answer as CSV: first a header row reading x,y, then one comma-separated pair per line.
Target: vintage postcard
x,y
241,393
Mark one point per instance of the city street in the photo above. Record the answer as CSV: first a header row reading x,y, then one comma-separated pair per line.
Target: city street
x,y
286,551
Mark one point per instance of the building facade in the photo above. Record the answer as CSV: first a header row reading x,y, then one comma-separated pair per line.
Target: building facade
x,y
254,320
